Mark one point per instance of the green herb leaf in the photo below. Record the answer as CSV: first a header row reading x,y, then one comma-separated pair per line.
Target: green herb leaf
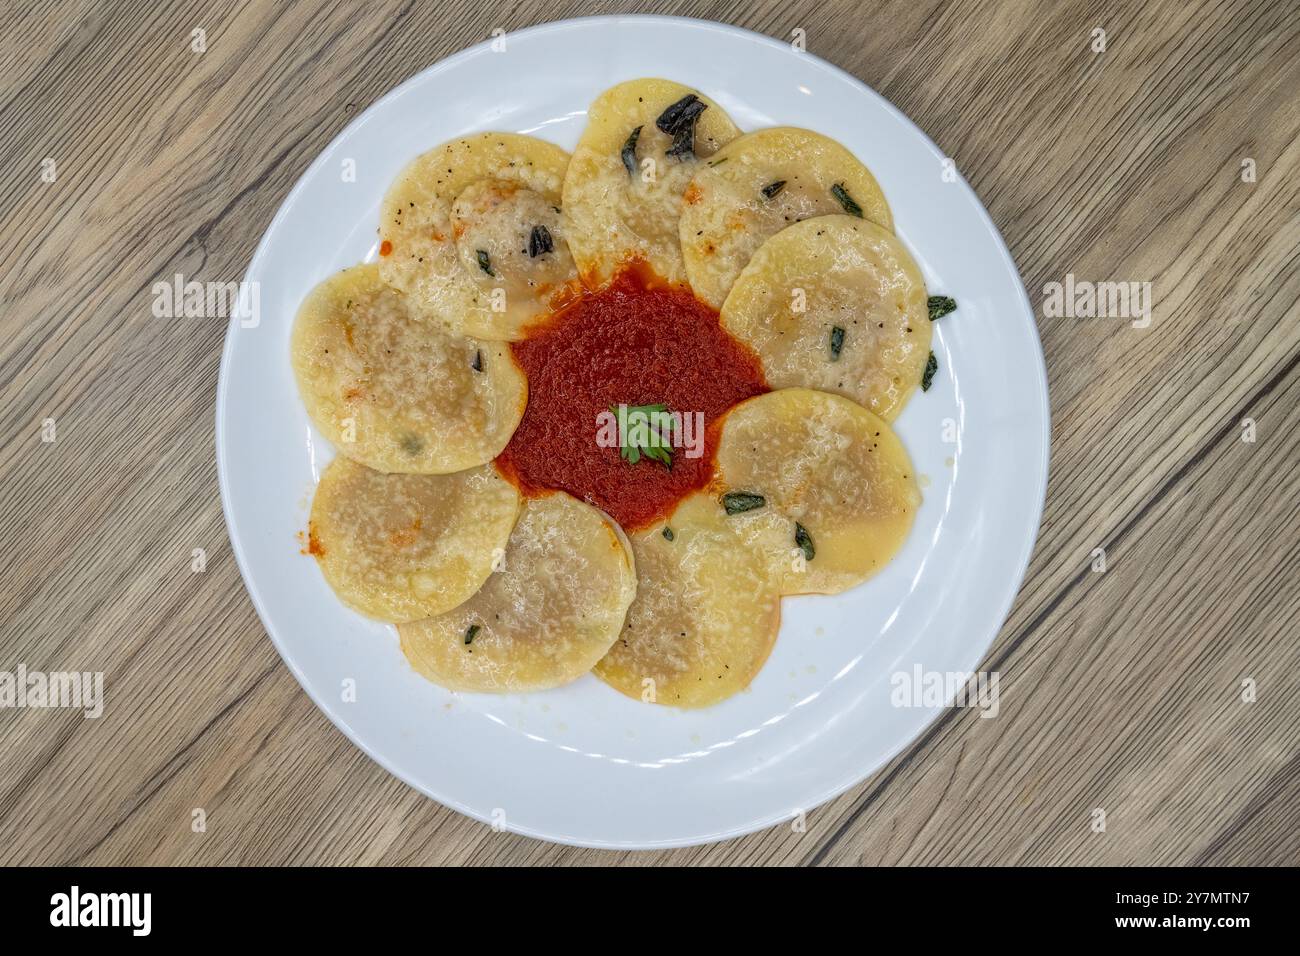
x,y
931,366
668,533
771,189
477,364
629,152
736,502
837,342
940,305
661,455
803,540
845,200
471,632
644,430
485,262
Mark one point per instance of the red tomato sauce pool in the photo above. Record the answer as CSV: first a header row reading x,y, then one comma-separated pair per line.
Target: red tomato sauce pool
x,y
634,342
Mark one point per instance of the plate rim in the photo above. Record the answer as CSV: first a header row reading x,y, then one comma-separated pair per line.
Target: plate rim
x,y
855,776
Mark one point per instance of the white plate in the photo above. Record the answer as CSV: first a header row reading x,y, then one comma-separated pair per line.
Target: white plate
x,y
583,764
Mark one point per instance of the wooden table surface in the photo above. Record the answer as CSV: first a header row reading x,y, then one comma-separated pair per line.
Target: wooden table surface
x,y
1164,690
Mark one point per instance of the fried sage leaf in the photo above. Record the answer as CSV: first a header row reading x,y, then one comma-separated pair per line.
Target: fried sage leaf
x,y
837,342
803,540
738,502
629,151
931,366
681,114
678,121
683,144
940,305
540,242
842,196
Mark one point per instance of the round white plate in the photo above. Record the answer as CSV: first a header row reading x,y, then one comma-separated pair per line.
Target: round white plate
x,y
583,764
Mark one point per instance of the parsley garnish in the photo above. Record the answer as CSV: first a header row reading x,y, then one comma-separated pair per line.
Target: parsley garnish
x,y
644,430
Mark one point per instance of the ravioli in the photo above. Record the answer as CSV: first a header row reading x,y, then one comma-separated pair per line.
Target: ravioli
x,y
756,186
404,547
643,142
544,618
833,472
835,303
472,232
428,516
397,393
706,613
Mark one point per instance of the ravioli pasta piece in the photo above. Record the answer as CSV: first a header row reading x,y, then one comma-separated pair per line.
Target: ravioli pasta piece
x,y
759,184
397,393
542,620
827,466
837,304
404,547
706,613
623,189
472,232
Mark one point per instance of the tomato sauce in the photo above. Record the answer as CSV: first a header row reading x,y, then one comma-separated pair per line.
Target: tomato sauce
x,y
635,342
